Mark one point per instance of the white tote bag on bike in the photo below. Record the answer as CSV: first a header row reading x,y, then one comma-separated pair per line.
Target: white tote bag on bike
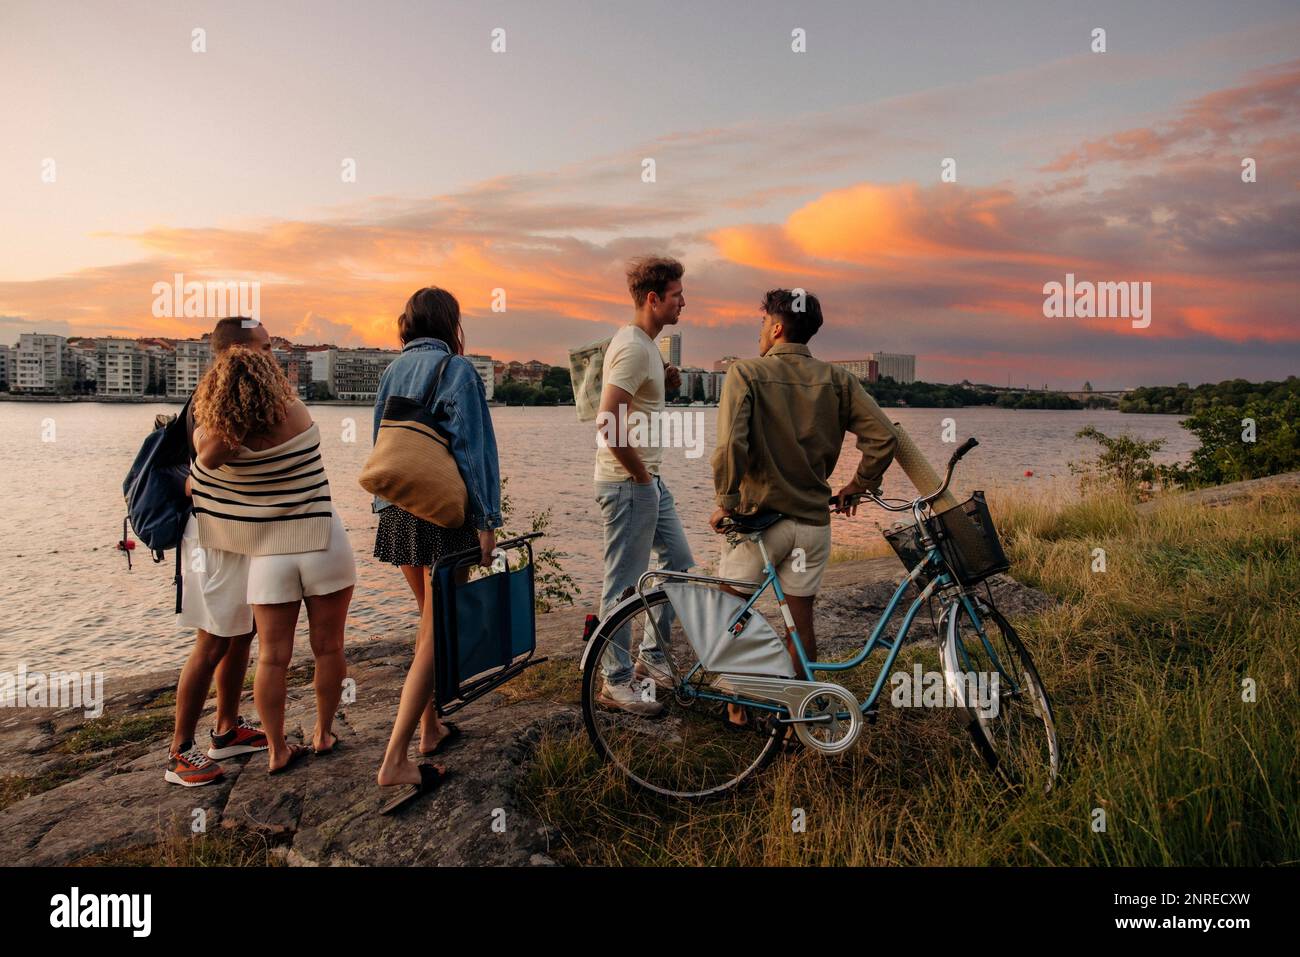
x,y
705,614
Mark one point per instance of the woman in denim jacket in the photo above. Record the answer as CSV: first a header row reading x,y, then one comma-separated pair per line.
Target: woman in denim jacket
x,y
431,334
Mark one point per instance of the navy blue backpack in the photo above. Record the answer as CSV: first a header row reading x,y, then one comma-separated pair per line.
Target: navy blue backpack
x,y
156,504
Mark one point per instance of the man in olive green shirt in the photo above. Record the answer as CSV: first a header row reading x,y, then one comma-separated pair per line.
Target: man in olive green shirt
x,y
781,424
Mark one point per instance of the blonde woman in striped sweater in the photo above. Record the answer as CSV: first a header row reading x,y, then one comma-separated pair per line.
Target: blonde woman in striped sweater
x,y
260,490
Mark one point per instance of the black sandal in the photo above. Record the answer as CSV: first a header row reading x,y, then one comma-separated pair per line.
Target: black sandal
x,y
334,746
453,732
430,780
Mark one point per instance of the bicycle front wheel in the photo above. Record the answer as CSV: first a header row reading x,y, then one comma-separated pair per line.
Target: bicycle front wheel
x,y
991,674
666,739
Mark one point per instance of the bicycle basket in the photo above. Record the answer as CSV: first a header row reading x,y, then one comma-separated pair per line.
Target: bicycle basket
x,y
969,541
905,540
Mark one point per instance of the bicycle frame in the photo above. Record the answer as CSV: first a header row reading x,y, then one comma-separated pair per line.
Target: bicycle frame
x,y
940,582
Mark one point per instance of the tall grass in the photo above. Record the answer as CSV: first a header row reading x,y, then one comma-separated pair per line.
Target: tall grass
x,y
1146,664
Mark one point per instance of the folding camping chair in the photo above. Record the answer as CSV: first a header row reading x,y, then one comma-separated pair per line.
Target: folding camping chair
x,y
486,628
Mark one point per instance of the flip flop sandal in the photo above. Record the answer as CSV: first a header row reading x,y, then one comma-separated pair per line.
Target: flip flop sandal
x,y
430,780
453,733
334,746
296,753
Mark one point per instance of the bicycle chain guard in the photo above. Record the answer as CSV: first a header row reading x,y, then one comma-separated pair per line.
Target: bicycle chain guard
x,y
803,699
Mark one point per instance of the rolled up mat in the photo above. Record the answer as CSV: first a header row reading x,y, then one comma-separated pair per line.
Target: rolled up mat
x,y
919,471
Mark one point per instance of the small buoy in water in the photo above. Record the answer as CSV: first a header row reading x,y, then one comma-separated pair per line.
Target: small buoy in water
x,y
1029,473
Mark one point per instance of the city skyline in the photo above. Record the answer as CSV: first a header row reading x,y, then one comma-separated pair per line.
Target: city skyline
x,y
700,364
821,168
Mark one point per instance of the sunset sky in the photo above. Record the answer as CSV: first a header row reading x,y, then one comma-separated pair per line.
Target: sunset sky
x,y
523,170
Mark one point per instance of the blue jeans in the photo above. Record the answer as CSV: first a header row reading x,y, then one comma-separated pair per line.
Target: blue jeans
x,y
639,519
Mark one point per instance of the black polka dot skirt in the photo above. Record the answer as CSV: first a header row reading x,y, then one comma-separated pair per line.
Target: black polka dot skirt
x,y
403,539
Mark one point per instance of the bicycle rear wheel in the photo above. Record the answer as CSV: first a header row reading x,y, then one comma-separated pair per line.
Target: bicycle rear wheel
x,y
687,748
992,676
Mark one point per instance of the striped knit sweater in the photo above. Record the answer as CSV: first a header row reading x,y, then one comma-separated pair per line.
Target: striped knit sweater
x,y
271,502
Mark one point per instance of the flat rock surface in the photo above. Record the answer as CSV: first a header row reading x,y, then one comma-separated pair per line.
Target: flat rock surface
x,y
69,802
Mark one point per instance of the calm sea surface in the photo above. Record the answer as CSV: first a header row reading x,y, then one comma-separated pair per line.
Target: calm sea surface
x,y
67,601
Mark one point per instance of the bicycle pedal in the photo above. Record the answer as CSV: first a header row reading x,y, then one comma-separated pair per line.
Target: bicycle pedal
x,y
871,715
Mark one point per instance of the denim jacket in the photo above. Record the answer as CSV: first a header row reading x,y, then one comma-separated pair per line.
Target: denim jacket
x,y
461,410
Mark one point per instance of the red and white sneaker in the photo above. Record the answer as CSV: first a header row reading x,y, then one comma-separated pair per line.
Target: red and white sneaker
x,y
192,769
243,738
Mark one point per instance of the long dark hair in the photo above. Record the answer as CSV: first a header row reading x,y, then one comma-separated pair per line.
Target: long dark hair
x,y
432,313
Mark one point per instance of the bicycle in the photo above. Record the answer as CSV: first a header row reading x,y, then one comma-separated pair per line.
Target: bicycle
x,y
685,745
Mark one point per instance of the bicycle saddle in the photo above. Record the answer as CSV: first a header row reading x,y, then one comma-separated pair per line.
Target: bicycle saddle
x,y
754,523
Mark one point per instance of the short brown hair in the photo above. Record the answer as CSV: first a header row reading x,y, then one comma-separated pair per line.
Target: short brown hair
x,y
230,332
652,274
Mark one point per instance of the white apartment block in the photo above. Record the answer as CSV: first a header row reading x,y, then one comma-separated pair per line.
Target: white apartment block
x,y
4,366
898,366
38,362
193,356
484,366
122,367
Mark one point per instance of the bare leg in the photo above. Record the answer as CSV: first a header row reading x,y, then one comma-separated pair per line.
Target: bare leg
x,y
205,657
416,700
230,681
327,616
801,610
417,690
275,626
431,729
736,713
415,575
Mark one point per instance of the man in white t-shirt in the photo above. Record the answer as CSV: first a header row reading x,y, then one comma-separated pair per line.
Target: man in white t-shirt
x,y
636,507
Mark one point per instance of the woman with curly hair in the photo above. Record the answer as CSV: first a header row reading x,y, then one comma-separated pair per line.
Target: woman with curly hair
x,y
260,490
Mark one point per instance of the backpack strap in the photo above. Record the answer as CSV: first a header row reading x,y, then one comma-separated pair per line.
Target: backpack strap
x,y
177,580
182,518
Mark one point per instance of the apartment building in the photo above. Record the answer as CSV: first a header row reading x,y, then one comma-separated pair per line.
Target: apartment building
x,y
121,367
670,347
862,368
192,359
38,363
486,370
357,372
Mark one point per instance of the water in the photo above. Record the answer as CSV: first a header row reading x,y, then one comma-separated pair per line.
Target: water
x,y
67,601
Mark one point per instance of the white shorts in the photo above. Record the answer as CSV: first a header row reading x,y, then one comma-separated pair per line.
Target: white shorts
x,y
799,550
214,588
274,579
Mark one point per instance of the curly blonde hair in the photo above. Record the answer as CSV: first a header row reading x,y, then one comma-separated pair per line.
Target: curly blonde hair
x,y
244,393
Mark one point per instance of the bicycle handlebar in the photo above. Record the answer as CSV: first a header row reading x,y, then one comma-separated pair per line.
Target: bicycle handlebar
x,y
905,505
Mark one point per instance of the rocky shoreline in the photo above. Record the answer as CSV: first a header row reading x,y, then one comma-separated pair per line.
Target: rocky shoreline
x,y
71,796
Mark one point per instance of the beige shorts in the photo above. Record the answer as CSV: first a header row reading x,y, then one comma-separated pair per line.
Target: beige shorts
x,y
799,550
